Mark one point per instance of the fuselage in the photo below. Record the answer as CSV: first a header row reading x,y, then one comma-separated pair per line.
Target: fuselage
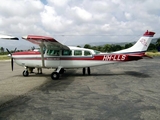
x,y
74,58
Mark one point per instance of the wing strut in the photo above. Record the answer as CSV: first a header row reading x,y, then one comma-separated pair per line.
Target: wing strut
x,y
42,54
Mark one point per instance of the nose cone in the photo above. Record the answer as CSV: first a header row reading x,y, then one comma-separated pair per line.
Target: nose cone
x,y
9,55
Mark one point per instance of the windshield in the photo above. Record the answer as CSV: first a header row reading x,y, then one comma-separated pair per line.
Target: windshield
x,y
97,52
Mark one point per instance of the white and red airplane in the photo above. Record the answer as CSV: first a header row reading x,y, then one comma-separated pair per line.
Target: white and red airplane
x,y
53,54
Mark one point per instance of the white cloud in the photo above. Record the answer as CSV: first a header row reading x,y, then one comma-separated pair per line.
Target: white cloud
x,y
59,3
52,21
74,17
82,14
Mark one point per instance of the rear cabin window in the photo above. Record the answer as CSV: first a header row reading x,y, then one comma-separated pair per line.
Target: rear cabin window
x,y
87,53
53,52
77,52
66,52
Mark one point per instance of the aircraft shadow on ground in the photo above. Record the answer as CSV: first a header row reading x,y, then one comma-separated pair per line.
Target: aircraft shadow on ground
x,y
130,73
72,73
137,74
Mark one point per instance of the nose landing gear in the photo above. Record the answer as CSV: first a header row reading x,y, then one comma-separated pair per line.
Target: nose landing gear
x,y
25,73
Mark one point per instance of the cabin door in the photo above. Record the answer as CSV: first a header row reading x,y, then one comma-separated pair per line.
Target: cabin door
x,y
52,58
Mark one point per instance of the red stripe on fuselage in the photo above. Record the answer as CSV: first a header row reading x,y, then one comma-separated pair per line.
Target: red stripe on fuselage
x,y
27,53
104,57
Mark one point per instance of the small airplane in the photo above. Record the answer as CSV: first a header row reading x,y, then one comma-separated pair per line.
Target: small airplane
x,y
53,54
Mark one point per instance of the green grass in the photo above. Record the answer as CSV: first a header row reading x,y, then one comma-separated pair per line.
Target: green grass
x,y
153,54
4,57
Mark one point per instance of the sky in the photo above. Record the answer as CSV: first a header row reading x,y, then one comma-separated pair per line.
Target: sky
x,y
78,22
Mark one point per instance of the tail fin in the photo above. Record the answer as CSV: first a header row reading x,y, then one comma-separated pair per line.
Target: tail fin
x,y
141,45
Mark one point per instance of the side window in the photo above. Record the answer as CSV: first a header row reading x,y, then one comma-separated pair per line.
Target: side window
x,y
53,52
87,53
66,52
77,52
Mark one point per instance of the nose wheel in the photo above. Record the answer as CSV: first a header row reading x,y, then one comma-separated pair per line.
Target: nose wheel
x,y
25,73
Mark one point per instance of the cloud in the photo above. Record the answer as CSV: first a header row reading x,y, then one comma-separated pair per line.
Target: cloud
x,y
59,18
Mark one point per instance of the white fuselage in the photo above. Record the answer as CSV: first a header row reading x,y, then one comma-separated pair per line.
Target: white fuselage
x,y
73,58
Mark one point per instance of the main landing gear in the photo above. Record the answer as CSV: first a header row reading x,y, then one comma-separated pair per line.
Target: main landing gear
x,y
57,72
88,71
55,75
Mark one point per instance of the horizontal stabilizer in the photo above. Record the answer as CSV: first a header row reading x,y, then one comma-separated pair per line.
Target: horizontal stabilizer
x,y
7,37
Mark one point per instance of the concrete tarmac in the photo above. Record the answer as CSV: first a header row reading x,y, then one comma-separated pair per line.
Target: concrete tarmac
x,y
123,91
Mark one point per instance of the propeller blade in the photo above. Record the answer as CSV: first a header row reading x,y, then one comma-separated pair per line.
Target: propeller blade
x,y
8,51
15,49
12,64
11,58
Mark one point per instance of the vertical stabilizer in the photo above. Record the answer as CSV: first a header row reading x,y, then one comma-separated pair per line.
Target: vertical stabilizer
x,y
141,45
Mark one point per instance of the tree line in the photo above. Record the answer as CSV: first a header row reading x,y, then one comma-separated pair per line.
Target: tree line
x,y
114,47
105,48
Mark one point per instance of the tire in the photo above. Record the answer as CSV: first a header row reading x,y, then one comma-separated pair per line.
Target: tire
x,y
25,73
88,71
55,76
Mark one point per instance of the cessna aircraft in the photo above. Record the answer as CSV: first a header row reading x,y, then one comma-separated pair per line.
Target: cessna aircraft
x,y
53,54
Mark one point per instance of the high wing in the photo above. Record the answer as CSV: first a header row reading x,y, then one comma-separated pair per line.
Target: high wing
x,y
8,37
49,42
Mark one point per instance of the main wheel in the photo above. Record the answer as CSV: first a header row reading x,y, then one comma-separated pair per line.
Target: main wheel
x,y
84,71
55,76
25,73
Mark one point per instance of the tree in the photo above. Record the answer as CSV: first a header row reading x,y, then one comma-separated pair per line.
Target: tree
x,y
158,44
128,45
32,48
152,47
87,46
2,49
107,48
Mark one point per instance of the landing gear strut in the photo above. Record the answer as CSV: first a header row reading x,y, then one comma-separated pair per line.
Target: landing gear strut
x,y
88,71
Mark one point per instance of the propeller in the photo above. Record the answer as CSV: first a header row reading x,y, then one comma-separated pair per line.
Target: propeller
x,y
11,57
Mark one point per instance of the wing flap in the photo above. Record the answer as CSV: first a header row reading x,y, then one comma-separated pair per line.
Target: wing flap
x,y
49,42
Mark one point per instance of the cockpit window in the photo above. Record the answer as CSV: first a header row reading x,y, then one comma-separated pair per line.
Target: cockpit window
x,y
78,52
53,52
66,52
87,53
